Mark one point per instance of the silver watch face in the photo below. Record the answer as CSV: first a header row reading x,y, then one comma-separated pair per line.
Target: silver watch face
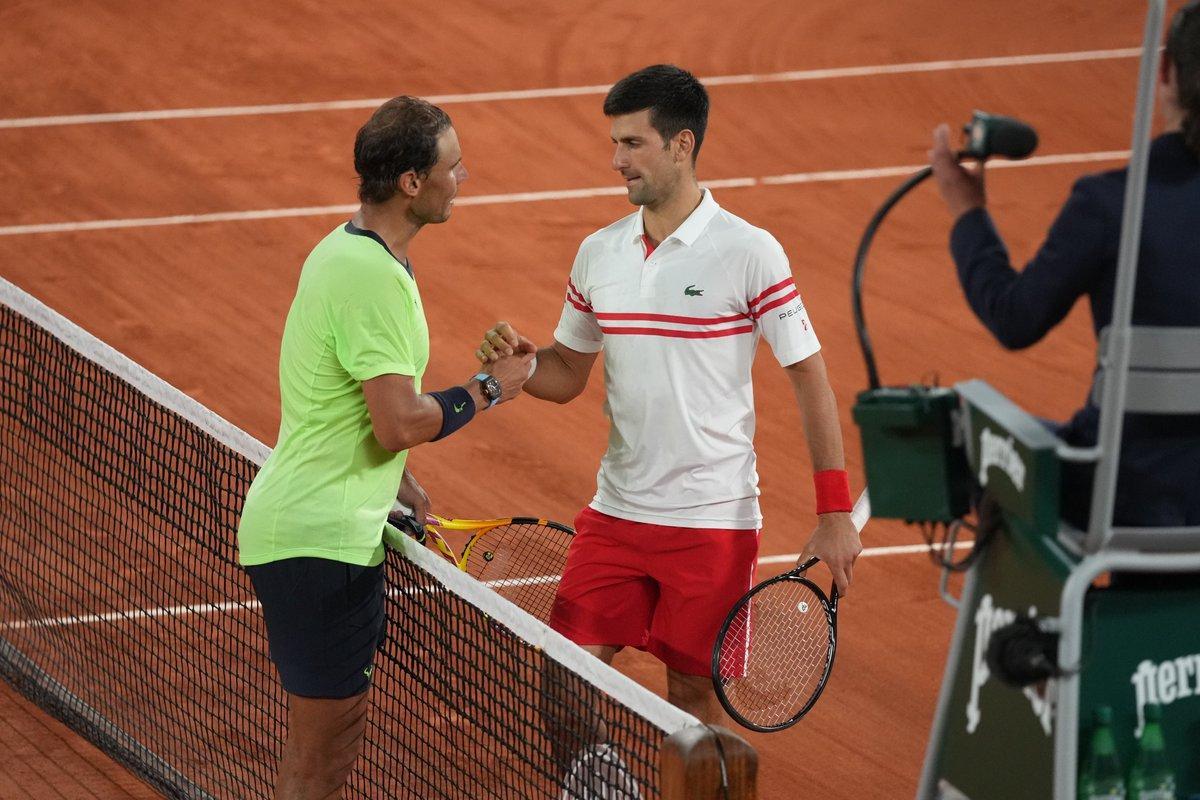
x,y
491,388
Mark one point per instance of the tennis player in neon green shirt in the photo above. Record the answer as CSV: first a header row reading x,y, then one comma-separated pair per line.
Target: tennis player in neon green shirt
x,y
357,316
355,346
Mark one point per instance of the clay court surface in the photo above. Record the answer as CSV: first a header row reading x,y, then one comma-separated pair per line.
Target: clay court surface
x,y
202,303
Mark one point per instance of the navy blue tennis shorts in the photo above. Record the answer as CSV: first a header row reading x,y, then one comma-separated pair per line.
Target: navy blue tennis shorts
x,y
325,622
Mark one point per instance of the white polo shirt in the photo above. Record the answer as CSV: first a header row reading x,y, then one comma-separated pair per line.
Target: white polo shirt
x,y
679,329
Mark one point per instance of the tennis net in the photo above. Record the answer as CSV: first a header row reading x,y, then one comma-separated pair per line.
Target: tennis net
x,y
123,611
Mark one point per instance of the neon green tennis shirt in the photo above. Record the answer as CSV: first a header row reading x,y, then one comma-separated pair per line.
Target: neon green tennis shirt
x,y
326,489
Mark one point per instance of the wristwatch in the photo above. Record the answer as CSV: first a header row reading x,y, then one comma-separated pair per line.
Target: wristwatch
x,y
490,387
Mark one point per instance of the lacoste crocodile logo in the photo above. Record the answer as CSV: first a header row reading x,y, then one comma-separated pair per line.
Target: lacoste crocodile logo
x,y
692,291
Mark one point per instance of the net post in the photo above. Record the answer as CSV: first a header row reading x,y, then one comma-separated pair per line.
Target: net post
x,y
690,765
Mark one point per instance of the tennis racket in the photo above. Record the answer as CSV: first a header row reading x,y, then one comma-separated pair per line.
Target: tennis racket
x,y
520,558
774,653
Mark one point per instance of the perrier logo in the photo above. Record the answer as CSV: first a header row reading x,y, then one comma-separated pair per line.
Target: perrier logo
x,y
692,291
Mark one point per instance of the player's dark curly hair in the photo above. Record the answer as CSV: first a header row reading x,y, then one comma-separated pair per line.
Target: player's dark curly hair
x,y
401,135
1183,50
677,101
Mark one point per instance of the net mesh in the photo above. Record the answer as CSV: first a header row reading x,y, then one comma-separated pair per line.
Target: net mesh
x,y
124,613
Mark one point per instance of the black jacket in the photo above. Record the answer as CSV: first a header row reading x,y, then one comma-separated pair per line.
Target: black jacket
x,y
1159,475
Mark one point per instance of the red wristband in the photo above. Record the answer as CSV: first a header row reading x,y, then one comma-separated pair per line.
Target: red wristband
x,y
833,490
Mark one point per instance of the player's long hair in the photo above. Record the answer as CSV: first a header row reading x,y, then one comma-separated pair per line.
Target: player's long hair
x,y
1183,50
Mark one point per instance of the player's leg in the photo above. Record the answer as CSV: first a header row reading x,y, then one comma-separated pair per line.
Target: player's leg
x,y
323,742
604,602
325,621
695,695
702,573
604,652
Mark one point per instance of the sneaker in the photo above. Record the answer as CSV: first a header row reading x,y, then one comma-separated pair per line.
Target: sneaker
x,y
599,773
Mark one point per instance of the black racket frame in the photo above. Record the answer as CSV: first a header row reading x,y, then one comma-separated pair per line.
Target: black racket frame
x,y
829,604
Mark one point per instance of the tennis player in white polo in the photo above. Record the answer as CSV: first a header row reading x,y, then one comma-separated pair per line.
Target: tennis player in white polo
x,y
678,294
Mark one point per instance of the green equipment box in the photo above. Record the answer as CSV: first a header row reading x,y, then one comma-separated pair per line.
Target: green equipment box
x,y
913,451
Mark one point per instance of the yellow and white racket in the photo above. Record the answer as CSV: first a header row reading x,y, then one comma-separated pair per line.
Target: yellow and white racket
x,y
520,558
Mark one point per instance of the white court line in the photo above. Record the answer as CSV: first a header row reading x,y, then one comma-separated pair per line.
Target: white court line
x,y
198,609
253,605
533,197
575,91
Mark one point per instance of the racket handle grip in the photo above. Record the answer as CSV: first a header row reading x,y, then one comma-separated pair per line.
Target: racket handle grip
x,y
861,511
408,524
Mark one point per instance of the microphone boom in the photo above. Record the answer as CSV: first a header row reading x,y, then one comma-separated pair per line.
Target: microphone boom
x,y
995,135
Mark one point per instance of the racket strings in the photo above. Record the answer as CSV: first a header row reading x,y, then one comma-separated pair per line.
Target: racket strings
x,y
521,561
776,653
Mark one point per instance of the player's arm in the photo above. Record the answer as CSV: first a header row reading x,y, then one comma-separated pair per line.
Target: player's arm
x,y
560,374
774,301
401,418
412,495
835,540
374,344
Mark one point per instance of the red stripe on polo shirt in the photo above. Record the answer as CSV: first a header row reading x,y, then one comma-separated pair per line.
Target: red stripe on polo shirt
x,y
576,297
776,303
768,291
680,334
578,305
669,318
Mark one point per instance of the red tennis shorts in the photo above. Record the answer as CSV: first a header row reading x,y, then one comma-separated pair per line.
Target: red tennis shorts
x,y
659,588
